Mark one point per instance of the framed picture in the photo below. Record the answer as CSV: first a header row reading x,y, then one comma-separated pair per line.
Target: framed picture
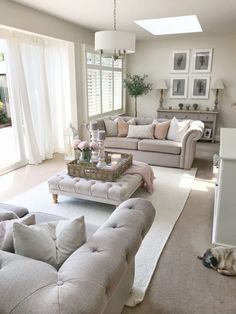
x,y
200,87
207,133
178,87
180,61
202,59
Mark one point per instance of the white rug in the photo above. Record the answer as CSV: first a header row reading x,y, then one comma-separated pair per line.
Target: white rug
x,y
171,190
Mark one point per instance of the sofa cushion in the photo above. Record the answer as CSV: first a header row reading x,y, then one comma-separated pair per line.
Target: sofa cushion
x,y
50,242
7,215
177,129
111,127
141,131
121,142
17,209
6,231
168,147
123,126
161,129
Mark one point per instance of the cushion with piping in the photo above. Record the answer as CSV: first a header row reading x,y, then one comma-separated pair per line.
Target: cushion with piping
x,y
7,215
161,129
17,209
123,126
141,131
6,231
177,129
111,127
51,242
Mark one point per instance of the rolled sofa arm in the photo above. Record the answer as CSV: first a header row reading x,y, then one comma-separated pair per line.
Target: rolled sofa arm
x,y
88,279
192,135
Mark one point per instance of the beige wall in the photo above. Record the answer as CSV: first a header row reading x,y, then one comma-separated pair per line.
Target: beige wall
x,y
21,17
154,58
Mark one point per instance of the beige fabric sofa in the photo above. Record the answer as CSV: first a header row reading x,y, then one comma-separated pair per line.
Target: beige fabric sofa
x,y
97,278
157,152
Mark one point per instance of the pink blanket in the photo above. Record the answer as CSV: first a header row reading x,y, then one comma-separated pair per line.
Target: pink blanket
x,y
145,171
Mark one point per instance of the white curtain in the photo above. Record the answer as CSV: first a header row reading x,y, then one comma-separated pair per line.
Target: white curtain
x,y
38,73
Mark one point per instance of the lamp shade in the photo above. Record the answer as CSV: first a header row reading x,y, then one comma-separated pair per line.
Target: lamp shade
x,y
110,41
218,84
161,85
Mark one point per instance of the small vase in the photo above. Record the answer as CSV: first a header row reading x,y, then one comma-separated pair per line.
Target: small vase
x,y
85,156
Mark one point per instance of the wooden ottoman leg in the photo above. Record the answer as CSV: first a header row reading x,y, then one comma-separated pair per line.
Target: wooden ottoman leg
x,y
55,198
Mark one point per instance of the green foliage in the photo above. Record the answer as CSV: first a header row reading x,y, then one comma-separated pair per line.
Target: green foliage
x,y
1,56
3,116
136,85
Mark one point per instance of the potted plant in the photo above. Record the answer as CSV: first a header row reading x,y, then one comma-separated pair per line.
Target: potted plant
x,y
136,86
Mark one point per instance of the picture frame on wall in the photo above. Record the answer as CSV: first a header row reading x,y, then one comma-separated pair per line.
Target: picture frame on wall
x,y
180,61
200,87
178,87
202,60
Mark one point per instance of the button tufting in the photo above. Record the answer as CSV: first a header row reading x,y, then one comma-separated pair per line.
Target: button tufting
x,y
127,257
60,283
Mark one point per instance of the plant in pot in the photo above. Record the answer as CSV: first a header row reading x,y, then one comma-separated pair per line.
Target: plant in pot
x,y
136,87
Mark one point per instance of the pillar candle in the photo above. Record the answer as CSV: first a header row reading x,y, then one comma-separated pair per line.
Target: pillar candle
x,y
93,125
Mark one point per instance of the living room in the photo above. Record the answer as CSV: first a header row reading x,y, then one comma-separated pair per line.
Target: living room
x,y
177,282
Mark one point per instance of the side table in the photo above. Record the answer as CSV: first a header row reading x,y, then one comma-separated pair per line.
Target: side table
x,y
207,117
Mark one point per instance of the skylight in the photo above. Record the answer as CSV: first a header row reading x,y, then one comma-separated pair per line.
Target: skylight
x,y
171,25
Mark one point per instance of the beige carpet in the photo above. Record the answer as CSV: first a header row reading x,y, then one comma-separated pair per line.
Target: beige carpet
x,y
171,190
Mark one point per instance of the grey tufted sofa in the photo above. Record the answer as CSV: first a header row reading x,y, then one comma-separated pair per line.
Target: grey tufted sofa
x,y
96,278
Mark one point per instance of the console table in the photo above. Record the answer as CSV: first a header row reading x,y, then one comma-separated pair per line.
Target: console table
x,y
224,229
207,117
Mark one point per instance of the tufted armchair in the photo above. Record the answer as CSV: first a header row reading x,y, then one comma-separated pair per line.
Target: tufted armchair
x,y
96,278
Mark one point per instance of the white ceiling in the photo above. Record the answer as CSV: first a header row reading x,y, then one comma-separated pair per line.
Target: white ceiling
x,y
215,16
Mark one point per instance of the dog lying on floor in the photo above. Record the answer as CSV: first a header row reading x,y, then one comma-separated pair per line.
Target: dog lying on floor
x,y
222,259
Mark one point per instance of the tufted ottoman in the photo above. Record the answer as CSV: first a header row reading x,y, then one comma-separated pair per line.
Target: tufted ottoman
x,y
94,190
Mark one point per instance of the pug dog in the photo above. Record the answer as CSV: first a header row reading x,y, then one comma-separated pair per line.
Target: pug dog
x,y
222,259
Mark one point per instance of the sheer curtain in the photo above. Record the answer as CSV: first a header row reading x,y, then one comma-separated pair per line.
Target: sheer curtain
x,y
38,71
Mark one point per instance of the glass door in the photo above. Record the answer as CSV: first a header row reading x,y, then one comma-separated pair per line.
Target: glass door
x,y
12,154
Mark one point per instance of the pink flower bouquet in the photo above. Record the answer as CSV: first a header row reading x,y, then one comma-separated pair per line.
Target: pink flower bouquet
x,y
84,145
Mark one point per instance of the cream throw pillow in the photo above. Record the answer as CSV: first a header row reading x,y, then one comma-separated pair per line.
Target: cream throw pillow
x,y
141,131
6,231
177,129
51,242
123,126
161,129
111,127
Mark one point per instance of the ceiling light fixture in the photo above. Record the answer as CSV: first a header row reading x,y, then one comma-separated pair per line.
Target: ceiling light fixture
x,y
114,43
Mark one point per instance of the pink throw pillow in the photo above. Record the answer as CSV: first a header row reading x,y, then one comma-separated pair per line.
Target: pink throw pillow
x,y
123,126
161,129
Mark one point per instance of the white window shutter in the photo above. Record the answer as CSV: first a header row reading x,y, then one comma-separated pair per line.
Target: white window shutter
x,y
104,84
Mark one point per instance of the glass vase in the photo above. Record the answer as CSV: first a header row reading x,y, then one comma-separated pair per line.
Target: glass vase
x,y
85,156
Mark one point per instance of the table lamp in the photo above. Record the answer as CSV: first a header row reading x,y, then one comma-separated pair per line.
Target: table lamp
x,y
161,85
218,85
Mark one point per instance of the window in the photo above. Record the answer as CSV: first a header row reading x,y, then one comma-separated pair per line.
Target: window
x,y
104,85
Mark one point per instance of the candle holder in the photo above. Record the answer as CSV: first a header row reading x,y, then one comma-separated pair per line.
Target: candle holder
x,y
101,154
101,151
94,141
